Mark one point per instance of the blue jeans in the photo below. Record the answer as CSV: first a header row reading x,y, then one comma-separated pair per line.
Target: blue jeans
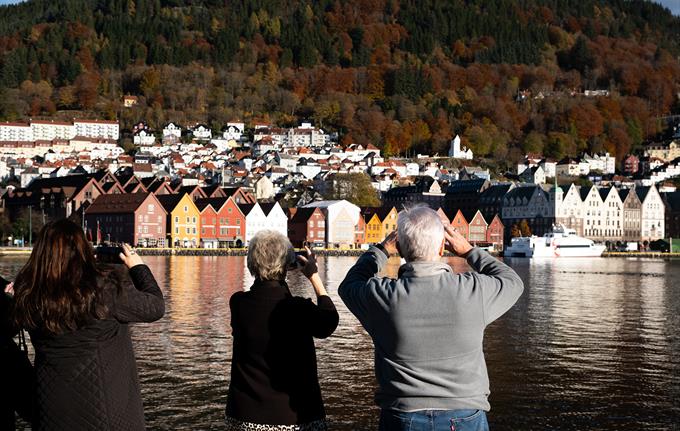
x,y
434,420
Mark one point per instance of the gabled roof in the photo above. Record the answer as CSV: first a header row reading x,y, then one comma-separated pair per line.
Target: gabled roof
x,y
169,202
303,214
117,203
216,203
524,192
584,192
642,192
467,186
496,191
604,191
246,208
267,207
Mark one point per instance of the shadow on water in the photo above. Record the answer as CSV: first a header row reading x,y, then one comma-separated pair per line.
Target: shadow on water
x,y
592,344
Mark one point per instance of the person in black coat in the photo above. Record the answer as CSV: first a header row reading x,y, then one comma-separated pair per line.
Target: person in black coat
x,y
77,314
274,383
16,391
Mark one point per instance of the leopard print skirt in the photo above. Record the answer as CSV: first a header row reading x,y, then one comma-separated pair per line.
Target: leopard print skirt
x,y
236,425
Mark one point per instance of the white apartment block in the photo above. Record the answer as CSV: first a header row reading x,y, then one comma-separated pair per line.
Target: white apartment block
x,y
604,163
48,130
97,129
15,132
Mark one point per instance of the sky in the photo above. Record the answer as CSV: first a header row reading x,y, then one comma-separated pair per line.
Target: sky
x,y
673,5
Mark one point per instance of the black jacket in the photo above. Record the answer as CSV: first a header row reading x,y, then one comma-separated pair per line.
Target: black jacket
x,y
273,371
16,388
87,379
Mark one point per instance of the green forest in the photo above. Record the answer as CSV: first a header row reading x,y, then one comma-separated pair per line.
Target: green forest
x,y
404,75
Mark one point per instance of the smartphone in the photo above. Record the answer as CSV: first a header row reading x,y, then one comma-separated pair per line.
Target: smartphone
x,y
109,253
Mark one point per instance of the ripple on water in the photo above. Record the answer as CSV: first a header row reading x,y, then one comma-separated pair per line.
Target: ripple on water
x,y
592,344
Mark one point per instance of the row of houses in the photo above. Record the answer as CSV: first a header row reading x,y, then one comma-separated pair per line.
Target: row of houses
x,y
178,220
609,213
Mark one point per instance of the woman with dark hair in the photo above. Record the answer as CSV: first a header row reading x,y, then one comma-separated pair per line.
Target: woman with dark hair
x,y
77,314
274,382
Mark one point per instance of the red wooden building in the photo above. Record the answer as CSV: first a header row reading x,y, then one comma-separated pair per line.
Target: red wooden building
x,y
222,222
460,223
307,226
494,233
138,219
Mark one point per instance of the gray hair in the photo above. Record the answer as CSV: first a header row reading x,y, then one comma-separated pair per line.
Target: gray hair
x,y
420,233
269,255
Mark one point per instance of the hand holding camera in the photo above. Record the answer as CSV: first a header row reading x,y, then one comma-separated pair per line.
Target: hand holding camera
x,y
307,263
130,257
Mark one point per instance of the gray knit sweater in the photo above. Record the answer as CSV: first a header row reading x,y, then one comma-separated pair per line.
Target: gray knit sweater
x,y
427,327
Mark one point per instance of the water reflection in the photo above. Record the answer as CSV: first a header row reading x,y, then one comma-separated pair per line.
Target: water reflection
x,y
592,344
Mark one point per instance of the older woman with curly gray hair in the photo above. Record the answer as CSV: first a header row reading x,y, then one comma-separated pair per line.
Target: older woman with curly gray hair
x,y
274,383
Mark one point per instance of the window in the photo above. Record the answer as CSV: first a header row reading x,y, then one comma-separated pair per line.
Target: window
x,y
238,222
160,219
177,230
193,230
186,209
176,219
151,208
160,230
139,217
188,219
188,230
194,220
146,229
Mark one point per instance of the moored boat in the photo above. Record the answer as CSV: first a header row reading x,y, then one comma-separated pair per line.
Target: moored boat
x,y
560,242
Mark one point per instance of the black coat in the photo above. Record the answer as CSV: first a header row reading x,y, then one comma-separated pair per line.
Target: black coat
x,y
87,379
273,371
15,368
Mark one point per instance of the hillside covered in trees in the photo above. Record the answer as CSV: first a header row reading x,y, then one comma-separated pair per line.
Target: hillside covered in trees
x,y
405,75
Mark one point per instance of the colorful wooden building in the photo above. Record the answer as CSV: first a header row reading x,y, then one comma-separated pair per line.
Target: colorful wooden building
x,y
307,226
137,218
183,221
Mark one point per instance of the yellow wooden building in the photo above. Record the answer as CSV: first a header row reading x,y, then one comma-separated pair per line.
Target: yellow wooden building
x,y
374,227
388,218
379,223
184,220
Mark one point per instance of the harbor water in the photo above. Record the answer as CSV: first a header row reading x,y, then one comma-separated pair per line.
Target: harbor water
x,y
593,344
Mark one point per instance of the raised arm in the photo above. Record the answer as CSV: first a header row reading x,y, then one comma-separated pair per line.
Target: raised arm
x,y
354,289
142,302
324,317
499,284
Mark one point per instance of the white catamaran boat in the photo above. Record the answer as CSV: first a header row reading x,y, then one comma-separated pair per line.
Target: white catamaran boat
x,y
561,242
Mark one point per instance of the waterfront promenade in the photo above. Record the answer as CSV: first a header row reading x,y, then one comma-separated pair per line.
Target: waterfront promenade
x,y
18,251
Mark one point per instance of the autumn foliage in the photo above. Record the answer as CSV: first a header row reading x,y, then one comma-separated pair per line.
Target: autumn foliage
x,y
406,75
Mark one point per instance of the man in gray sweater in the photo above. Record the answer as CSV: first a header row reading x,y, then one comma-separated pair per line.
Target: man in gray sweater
x,y
428,325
